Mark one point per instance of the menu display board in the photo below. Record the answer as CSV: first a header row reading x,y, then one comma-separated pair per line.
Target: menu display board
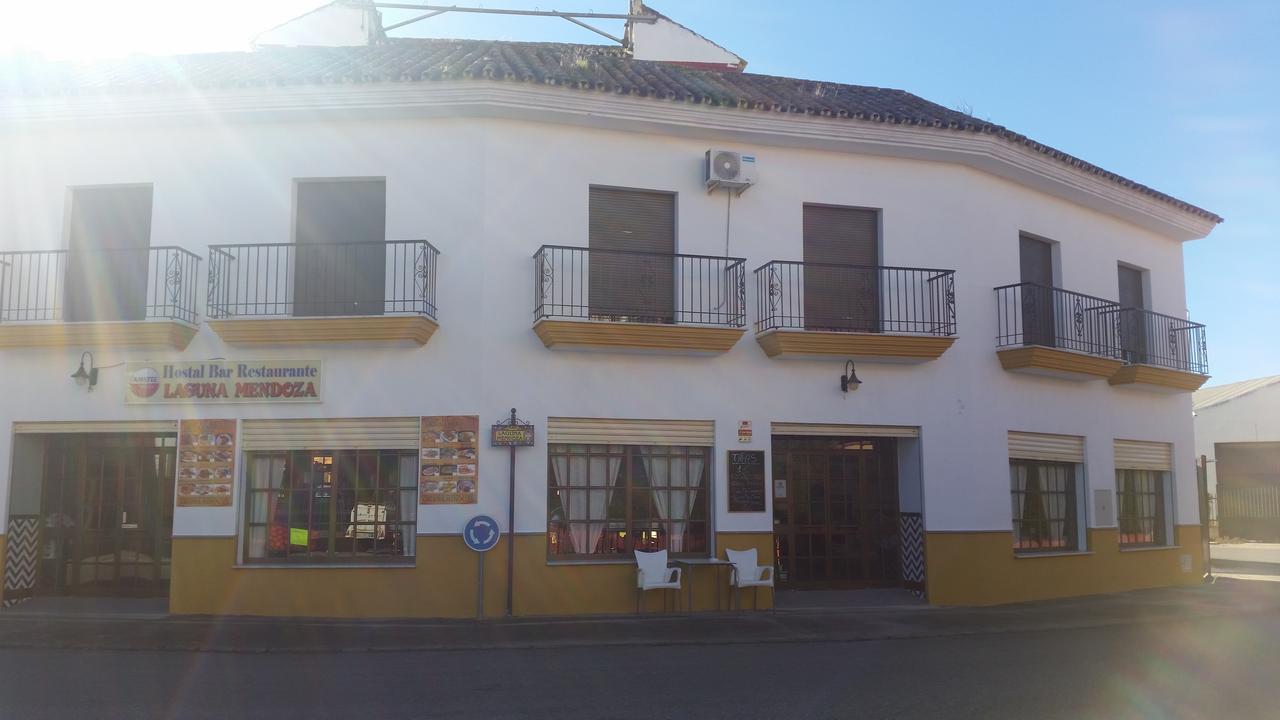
x,y
746,481
449,460
206,462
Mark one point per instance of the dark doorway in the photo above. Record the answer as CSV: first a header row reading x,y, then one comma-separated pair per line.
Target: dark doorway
x,y
1036,265
107,510
340,233
841,277
1133,326
109,253
836,521
631,242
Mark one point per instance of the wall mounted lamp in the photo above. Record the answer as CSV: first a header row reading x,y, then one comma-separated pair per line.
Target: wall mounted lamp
x,y
83,377
849,380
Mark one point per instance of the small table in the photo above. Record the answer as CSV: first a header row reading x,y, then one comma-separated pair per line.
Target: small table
x,y
692,563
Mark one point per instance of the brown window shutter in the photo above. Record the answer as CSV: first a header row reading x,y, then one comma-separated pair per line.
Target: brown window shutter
x,y
333,274
623,285
841,298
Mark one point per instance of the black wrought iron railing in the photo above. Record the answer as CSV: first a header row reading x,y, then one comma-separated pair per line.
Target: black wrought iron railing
x,y
152,283
622,286
396,277
1031,314
855,298
1150,338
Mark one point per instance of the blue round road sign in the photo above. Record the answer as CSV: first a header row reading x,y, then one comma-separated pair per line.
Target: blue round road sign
x,y
481,533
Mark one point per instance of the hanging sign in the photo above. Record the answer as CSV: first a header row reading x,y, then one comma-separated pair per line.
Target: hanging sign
x,y
223,381
448,468
511,435
206,462
746,481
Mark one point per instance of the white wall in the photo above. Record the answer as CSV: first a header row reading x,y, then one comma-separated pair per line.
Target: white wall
x,y
1250,418
489,192
332,25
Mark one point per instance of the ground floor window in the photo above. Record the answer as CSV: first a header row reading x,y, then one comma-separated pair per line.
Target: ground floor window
x,y
316,506
610,500
1046,506
1141,499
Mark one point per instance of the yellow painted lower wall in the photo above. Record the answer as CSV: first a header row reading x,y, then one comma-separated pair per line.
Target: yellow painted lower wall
x,y
442,583
979,568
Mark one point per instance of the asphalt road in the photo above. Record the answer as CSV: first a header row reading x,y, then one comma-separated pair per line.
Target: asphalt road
x,y
1208,668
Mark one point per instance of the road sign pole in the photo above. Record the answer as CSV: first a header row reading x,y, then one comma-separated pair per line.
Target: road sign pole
x,y
511,524
480,586
481,534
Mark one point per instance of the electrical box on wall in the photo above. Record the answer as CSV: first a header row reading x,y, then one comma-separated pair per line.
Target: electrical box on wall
x,y
729,169
1104,514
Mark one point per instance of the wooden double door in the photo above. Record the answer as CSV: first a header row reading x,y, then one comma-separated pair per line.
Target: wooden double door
x,y
835,507
107,515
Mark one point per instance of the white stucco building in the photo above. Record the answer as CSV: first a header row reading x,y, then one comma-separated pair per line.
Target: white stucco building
x,y
406,239
1237,428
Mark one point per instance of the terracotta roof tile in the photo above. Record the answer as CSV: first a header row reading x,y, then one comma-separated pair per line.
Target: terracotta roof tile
x,y
587,67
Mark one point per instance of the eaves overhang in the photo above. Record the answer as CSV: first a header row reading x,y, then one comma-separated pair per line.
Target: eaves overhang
x,y
987,152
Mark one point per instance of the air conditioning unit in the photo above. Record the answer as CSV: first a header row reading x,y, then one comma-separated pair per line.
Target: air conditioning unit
x,y
729,169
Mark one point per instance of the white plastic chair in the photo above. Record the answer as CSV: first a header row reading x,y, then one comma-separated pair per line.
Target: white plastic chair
x,y
652,573
746,573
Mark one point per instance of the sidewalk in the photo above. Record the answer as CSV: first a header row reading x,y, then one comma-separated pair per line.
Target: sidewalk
x,y
261,635
1260,558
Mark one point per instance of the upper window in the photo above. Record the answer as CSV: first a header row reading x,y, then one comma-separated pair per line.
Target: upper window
x,y
610,500
1142,512
110,259
316,506
631,238
1045,506
340,231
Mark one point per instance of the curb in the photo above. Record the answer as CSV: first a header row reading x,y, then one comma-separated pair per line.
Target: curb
x,y
797,637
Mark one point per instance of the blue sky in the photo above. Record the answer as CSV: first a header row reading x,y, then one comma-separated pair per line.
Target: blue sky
x,y
1183,96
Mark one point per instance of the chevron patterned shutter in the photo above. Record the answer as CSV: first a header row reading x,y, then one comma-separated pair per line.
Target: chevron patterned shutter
x,y
1138,455
831,430
1042,446
337,434
601,431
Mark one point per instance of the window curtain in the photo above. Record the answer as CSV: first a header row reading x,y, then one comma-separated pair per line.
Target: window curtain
x,y
669,481
585,509
408,504
260,477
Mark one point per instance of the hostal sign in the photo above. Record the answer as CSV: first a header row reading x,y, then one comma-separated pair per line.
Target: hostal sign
x,y
223,381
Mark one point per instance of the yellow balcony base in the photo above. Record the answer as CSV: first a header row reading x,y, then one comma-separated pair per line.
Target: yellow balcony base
x,y
872,347
154,334
621,336
1062,364
1157,379
294,331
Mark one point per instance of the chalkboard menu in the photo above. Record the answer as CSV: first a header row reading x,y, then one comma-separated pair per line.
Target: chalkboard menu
x,y
746,481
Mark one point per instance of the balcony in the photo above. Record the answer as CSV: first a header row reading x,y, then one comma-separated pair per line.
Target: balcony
x,y
1161,353
876,314
1058,333
632,301
142,298
323,293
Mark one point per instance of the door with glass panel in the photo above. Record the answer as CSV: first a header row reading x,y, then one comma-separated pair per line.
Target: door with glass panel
x,y
836,512
108,515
